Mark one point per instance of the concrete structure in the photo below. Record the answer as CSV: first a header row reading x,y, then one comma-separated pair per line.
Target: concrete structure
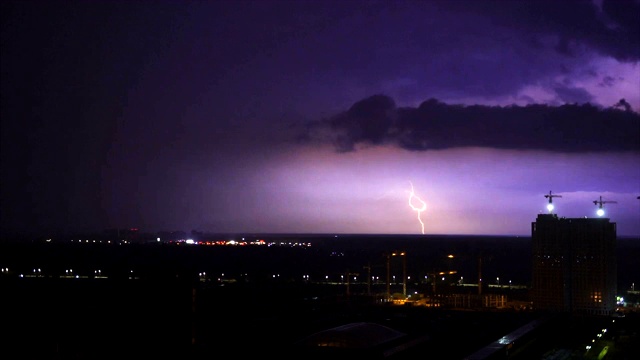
x,y
356,340
574,265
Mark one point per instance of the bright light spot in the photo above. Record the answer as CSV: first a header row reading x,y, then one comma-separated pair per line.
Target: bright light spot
x,y
550,207
600,212
419,209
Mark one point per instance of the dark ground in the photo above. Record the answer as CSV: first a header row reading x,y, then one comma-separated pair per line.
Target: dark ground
x,y
167,311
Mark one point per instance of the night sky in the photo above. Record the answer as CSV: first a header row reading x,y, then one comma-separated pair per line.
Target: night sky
x,y
318,116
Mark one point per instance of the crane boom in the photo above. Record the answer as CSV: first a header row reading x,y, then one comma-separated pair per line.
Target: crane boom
x,y
601,202
550,196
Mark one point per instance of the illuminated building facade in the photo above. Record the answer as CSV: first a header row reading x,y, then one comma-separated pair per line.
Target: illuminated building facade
x,y
574,265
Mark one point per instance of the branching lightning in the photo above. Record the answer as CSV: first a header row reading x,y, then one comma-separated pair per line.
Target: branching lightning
x,y
420,209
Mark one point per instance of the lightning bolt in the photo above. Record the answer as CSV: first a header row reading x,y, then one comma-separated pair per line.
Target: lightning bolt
x,y
420,209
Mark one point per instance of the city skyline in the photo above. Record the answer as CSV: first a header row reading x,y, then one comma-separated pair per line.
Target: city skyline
x,y
366,117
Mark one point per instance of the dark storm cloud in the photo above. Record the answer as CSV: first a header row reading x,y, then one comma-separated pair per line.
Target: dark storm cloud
x,y
435,125
67,69
607,81
611,29
569,94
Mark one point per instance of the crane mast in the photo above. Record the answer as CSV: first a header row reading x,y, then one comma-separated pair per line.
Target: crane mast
x,y
600,203
550,196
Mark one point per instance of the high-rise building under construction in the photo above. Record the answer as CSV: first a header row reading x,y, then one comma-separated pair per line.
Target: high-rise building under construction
x,y
574,265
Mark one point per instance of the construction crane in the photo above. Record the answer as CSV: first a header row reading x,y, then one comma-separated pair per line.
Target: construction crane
x,y
550,196
349,274
601,202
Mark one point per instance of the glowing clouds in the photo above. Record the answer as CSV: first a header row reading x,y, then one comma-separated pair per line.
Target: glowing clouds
x,y
419,209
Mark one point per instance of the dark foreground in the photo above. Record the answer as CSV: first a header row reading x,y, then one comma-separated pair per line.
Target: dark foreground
x,y
158,303
64,319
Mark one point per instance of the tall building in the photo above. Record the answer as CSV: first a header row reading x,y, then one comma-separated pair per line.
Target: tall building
x,y
574,265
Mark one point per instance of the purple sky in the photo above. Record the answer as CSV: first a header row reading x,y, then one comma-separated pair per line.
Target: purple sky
x,y
318,116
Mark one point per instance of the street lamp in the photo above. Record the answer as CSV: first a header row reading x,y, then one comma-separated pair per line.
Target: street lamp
x,y
441,273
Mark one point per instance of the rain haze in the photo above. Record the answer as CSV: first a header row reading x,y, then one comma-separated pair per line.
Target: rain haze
x,y
361,117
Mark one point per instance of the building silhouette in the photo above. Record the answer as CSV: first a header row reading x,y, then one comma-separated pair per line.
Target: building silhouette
x,y
574,265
